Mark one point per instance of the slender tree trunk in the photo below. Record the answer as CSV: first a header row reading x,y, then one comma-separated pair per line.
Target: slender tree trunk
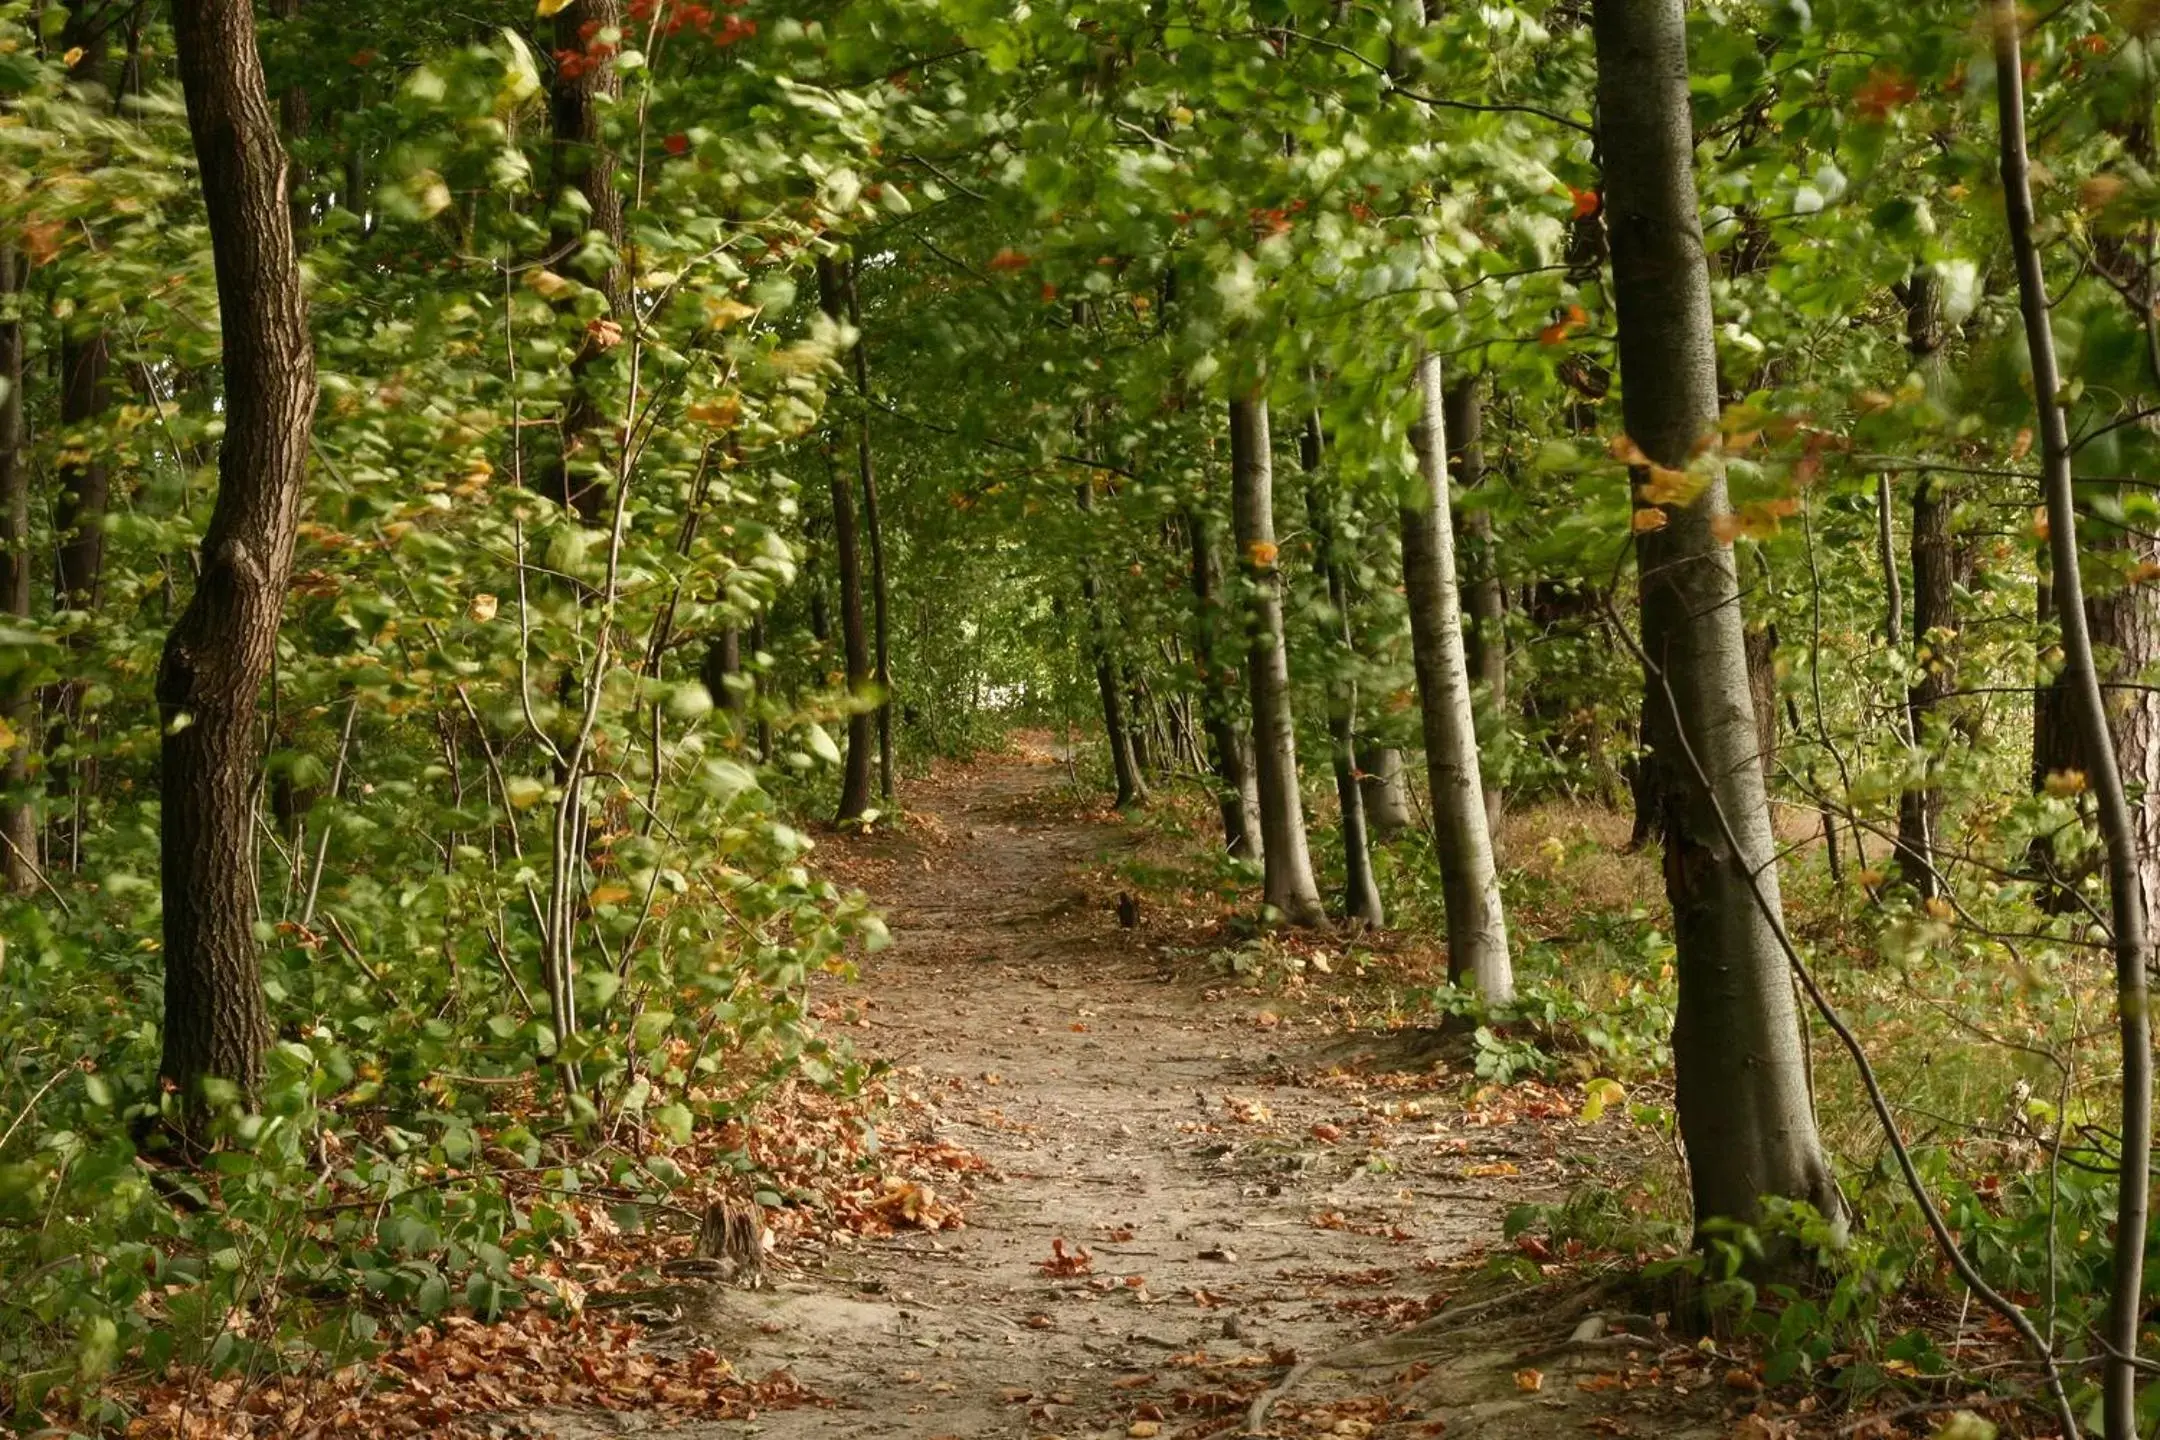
x,y
1384,780
1286,861
1117,724
875,531
2125,841
1484,596
578,477
855,778
83,495
296,117
1229,745
1361,892
1742,1091
18,812
219,651
1469,879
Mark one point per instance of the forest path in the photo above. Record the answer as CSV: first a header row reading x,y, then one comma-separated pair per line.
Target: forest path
x,y
1246,1204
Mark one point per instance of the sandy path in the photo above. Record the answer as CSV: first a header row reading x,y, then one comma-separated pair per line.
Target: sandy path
x,y
1139,1109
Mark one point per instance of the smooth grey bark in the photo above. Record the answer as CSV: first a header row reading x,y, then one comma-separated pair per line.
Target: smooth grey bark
x,y
1229,743
2118,829
1361,892
1383,778
1470,881
1286,859
1740,1068
1484,597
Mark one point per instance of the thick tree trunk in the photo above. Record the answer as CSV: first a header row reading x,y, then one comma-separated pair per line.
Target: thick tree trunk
x,y
1384,779
1117,724
579,476
1484,596
2127,837
1476,924
18,812
1229,744
220,649
855,776
1285,858
1361,892
875,530
1742,1091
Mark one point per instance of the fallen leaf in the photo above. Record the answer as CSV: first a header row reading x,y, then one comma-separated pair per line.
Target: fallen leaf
x,y
1530,1380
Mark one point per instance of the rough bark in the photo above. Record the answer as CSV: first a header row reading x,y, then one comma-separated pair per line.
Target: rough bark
x,y
874,529
1934,621
1741,1080
18,812
1229,745
1361,892
854,634
584,202
220,649
1484,596
1286,861
1469,880
2125,839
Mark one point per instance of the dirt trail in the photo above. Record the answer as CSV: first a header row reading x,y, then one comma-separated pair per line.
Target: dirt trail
x,y
1244,1209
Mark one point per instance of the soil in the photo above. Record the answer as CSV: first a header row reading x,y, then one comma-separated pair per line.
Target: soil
x,y
1261,1221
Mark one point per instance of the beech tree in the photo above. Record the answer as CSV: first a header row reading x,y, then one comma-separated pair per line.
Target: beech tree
x,y
1285,856
1462,831
1745,1111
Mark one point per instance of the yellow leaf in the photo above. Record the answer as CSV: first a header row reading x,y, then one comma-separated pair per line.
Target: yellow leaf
x,y
1262,554
482,608
73,57
1530,1380
1648,520
610,894
1599,1094
551,7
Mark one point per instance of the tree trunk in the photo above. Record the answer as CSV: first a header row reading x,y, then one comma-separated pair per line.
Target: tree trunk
x,y
220,649
1476,924
18,812
1229,744
855,778
82,496
876,532
296,118
1741,1081
2128,838
1484,596
1361,893
1287,863
1117,724
1934,566
582,164
1382,778
1934,560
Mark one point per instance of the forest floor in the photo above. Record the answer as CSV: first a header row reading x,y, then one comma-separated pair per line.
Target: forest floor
x,y
1196,1194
